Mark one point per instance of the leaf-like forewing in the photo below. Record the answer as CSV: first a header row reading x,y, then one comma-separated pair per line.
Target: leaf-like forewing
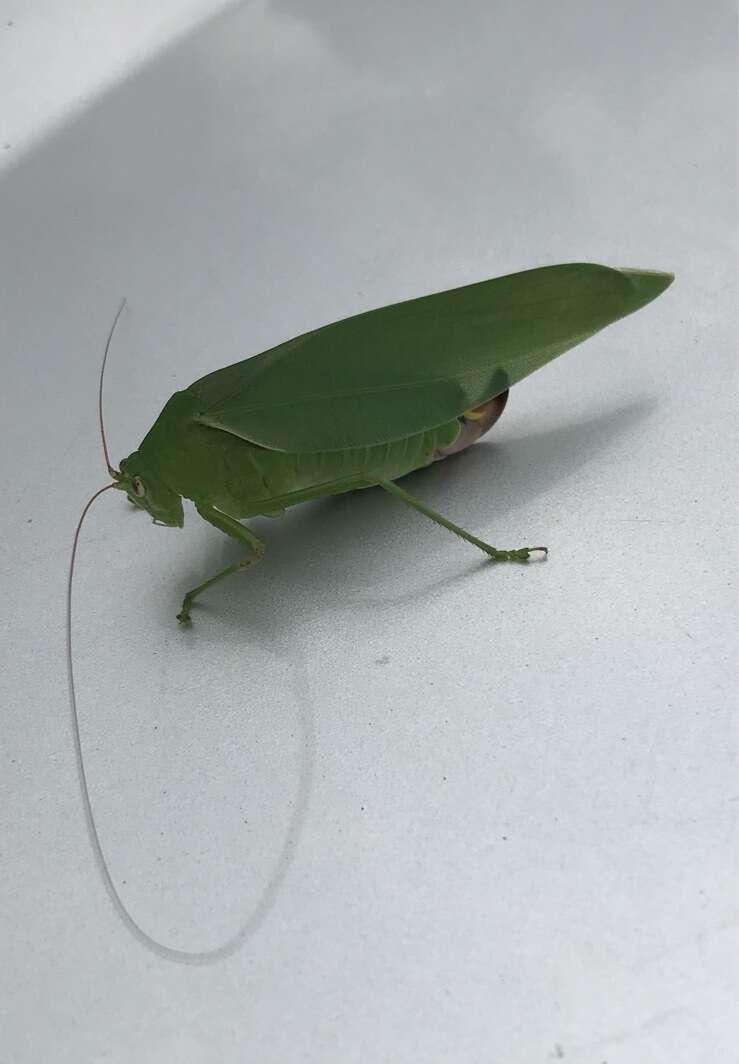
x,y
409,367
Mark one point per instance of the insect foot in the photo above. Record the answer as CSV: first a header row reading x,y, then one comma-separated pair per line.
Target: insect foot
x,y
521,554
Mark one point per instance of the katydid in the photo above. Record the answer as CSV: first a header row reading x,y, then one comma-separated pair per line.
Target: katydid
x,y
366,400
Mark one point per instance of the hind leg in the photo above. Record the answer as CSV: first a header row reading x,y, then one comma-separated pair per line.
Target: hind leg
x,y
520,554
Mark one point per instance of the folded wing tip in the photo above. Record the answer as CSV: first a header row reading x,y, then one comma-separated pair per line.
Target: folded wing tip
x,y
648,284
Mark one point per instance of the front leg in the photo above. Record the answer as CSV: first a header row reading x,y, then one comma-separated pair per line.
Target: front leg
x,y
232,528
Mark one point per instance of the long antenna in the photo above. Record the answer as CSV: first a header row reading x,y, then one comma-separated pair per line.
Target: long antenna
x,y
100,393
181,956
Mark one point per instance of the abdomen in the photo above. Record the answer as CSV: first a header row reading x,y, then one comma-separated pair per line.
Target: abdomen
x,y
329,472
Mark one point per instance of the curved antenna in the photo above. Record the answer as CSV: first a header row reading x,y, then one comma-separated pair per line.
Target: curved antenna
x,y
180,956
112,471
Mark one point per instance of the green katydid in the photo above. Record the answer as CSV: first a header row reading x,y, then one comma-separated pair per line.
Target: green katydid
x,y
366,400
356,404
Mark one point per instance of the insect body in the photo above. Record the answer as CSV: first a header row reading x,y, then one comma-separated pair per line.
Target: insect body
x,y
364,401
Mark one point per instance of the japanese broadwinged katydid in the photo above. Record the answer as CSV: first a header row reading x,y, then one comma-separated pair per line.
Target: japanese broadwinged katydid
x,y
364,401
355,404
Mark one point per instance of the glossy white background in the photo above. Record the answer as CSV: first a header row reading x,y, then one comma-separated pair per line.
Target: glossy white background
x,y
468,814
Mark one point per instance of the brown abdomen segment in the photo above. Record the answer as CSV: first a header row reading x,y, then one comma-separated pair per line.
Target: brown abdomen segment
x,y
474,424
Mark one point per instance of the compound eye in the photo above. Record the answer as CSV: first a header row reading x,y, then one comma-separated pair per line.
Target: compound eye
x,y
137,487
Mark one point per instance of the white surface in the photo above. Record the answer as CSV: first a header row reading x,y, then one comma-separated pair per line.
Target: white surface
x,y
476,814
